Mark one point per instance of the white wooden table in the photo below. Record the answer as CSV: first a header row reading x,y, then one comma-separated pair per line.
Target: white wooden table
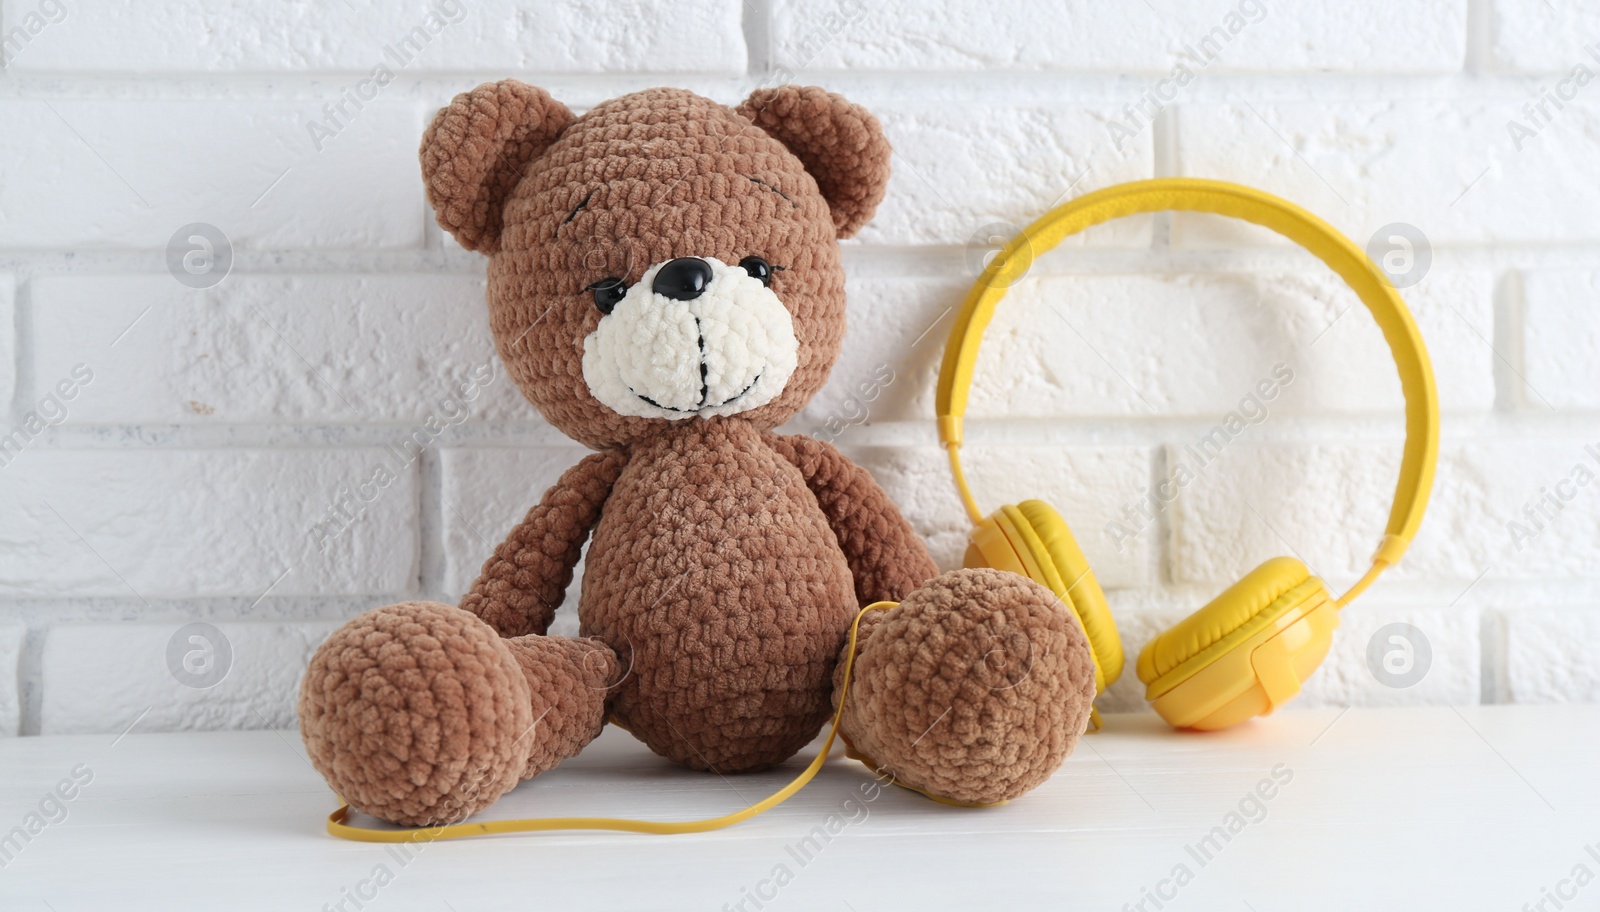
x,y
1429,808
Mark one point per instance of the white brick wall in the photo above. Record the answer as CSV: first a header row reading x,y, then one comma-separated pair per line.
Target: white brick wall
x,y
8,337
1562,337
1125,344
127,173
12,636
262,349
1541,40
483,493
566,36
1447,165
187,451
1546,655
1086,35
1085,483
104,677
943,186
145,522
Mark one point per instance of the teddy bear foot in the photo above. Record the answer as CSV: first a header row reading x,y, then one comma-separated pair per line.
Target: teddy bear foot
x,y
421,714
973,690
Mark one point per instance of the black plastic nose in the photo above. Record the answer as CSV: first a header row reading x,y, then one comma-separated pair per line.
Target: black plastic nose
x,y
683,279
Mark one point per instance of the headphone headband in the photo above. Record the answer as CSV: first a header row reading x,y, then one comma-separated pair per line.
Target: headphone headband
x,y
1341,255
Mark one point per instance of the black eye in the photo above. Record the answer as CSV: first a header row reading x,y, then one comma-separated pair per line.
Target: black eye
x,y
759,268
607,292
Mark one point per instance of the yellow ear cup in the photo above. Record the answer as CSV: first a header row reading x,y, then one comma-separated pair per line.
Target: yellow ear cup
x,y
1032,539
1081,589
1243,654
1237,606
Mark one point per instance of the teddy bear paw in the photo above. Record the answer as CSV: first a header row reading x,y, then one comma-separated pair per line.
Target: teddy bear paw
x,y
414,713
973,690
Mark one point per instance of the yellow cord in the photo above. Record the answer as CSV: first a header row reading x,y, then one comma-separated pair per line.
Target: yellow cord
x,y
1388,554
1367,579
967,500
338,827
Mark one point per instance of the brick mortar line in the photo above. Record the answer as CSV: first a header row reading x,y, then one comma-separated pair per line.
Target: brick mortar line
x,y
1573,595
1480,426
1041,88
1480,37
1509,330
1565,594
862,261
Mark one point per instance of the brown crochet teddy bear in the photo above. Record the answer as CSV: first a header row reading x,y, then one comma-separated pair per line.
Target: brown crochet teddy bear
x,y
665,286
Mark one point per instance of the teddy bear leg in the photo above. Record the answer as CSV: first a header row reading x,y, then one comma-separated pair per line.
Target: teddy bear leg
x,y
569,681
420,714
973,690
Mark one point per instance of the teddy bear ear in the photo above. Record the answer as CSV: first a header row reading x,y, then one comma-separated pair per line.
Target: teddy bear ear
x,y
839,142
478,148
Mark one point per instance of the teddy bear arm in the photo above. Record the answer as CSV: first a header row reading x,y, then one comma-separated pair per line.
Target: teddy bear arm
x,y
886,556
526,579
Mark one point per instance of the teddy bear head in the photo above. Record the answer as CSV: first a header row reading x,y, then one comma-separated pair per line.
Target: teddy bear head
x,y
663,258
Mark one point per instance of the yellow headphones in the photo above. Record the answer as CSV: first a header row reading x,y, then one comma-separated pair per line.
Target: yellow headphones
x,y
1249,649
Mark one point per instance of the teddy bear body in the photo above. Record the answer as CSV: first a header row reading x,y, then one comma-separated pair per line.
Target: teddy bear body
x,y
665,286
715,577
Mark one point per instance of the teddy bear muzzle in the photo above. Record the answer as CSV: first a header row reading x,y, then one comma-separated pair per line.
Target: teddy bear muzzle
x,y
693,337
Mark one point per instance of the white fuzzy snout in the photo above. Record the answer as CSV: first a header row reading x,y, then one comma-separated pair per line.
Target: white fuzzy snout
x,y
729,350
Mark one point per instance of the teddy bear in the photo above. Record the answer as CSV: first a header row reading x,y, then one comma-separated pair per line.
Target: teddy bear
x,y
665,287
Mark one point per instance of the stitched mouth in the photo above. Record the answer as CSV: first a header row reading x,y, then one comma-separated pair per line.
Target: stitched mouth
x,y
699,408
